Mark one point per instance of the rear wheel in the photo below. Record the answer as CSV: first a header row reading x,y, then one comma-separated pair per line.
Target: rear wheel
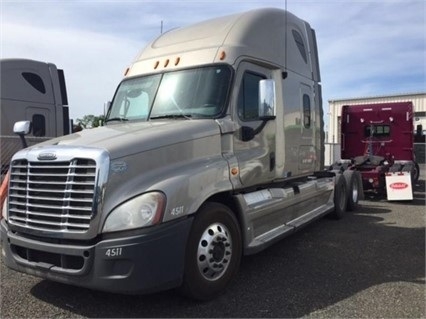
x,y
354,188
416,174
414,170
340,197
213,252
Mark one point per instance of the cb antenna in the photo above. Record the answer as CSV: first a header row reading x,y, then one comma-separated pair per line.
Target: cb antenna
x,y
286,35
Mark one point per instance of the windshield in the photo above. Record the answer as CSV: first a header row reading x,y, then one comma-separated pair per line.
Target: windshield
x,y
193,93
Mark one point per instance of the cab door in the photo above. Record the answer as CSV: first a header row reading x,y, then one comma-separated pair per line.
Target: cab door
x,y
256,156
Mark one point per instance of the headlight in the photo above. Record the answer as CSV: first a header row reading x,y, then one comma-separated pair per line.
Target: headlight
x,y
141,211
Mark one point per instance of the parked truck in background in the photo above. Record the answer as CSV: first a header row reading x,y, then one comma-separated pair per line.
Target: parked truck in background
x,y
378,141
212,149
34,91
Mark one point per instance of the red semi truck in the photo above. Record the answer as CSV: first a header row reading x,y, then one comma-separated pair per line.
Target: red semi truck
x,y
377,140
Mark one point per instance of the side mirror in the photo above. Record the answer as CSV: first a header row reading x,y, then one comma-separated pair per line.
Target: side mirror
x,y
107,105
266,109
22,128
267,99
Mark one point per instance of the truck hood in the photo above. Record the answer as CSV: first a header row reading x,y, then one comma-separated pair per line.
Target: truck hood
x,y
131,138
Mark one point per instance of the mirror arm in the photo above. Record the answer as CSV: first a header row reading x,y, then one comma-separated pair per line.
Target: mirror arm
x,y
248,133
260,128
23,141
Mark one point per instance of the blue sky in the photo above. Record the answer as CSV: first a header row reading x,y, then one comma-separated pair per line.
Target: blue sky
x,y
366,48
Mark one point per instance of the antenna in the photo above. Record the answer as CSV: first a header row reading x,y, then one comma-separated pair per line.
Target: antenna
x,y
286,35
161,28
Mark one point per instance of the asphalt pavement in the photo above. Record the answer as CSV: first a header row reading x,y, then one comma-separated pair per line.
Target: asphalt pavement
x,y
370,264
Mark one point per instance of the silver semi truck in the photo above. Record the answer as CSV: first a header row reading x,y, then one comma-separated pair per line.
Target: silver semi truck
x,y
34,91
212,149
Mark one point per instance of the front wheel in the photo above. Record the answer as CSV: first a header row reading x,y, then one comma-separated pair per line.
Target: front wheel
x,y
213,252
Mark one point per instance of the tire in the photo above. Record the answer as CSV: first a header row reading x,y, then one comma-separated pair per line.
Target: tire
x,y
340,197
213,252
416,172
354,189
414,169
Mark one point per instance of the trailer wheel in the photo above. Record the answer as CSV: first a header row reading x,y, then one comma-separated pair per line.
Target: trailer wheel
x,y
340,197
354,188
213,252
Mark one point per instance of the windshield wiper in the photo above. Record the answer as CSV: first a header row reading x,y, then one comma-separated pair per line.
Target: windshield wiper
x,y
172,116
121,119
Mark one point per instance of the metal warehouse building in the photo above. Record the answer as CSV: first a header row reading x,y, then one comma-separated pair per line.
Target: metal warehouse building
x,y
332,149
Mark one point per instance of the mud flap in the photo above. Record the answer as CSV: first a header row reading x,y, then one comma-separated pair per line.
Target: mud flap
x,y
398,186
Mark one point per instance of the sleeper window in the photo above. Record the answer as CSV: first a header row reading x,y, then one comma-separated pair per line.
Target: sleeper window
x,y
306,111
35,81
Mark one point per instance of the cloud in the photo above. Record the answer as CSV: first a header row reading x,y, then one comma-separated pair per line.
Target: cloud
x,y
93,63
365,47
374,49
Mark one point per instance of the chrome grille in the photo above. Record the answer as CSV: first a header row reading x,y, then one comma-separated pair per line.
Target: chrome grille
x,y
52,196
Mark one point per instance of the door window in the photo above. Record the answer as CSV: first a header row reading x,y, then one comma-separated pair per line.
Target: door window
x,y
39,125
248,98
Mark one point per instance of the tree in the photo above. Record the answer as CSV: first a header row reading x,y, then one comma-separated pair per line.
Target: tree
x,y
90,121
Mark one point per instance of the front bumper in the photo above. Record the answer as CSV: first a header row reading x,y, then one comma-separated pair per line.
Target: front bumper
x,y
148,261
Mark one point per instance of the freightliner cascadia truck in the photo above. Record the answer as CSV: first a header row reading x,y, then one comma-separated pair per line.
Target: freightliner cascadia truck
x,y
212,149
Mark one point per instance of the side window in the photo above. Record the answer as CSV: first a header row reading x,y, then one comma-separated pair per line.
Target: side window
x,y
248,97
306,111
300,45
39,125
35,81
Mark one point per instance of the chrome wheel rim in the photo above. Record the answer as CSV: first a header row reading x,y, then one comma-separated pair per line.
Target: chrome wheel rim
x,y
355,191
214,252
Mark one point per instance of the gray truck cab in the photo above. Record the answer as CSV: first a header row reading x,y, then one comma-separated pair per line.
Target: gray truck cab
x,y
34,91
212,149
